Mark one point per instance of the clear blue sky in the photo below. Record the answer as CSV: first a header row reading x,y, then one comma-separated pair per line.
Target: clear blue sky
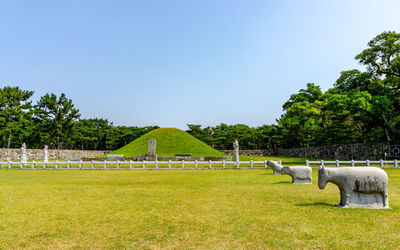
x,y
170,63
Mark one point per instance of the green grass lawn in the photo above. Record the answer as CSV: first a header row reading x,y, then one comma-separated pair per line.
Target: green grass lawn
x,y
170,141
185,209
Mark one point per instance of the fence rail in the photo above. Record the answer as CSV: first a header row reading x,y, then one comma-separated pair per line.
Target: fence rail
x,y
149,165
368,163
135,165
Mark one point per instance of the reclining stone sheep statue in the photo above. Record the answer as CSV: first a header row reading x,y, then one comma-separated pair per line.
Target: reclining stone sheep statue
x,y
360,187
275,167
300,174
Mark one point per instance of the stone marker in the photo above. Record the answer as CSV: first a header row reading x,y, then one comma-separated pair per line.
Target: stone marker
x,y
236,150
360,187
23,157
300,174
45,157
151,150
275,167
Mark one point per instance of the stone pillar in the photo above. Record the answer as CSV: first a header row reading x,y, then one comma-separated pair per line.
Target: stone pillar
x,y
45,157
236,150
151,148
23,157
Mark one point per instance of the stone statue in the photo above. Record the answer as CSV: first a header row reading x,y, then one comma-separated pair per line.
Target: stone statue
x,y
300,174
236,150
360,187
23,157
45,154
275,167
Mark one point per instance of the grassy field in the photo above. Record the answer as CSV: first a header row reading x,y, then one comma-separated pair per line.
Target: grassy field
x,y
185,209
170,141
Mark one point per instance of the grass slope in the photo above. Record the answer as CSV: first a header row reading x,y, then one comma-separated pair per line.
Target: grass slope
x,y
184,209
170,141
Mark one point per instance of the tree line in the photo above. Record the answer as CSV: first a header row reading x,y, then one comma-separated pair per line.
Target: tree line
x,y
361,107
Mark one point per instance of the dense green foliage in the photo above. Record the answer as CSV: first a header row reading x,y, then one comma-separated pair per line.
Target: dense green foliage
x,y
361,107
170,141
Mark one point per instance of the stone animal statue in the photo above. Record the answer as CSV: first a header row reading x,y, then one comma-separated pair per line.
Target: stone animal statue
x,y
362,187
275,167
300,174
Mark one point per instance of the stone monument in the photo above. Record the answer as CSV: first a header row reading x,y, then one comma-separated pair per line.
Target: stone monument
x,y
236,150
275,167
45,157
23,157
360,187
299,174
151,150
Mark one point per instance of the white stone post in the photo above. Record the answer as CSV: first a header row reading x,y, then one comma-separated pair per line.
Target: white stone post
x,y
352,163
396,164
92,164
307,163
223,163
280,162
367,162
238,164
23,157
56,165
80,164
381,163
45,154
183,163
130,164
33,164
68,164
265,164
236,150
196,164
210,164
169,163
156,164
117,163
322,163
337,163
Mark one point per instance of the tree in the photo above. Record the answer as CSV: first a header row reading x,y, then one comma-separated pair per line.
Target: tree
x,y
56,118
383,57
14,111
311,94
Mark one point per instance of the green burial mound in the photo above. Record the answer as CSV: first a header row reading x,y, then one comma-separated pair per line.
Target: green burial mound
x,y
170,141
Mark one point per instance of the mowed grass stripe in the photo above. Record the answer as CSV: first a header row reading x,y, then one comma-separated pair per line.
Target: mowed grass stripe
x,y
185,209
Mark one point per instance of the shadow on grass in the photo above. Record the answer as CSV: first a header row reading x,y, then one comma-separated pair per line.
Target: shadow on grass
x,y
282,182
317,204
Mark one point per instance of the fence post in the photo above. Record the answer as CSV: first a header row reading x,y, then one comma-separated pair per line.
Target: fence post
x,y
337,163
265,164
80,164
105,164
367,161
117,163
381,163
33,164
130,164
9,164
307,163
237,164
68,164
209,164
143,164
169,164
251,163
92,164
56,165
156,164
223,163
183,163
352,163
44,164
396,164
196,164
280,162
322,163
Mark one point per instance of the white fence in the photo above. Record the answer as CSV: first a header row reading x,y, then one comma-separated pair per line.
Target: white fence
x,y
136,165
352,163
